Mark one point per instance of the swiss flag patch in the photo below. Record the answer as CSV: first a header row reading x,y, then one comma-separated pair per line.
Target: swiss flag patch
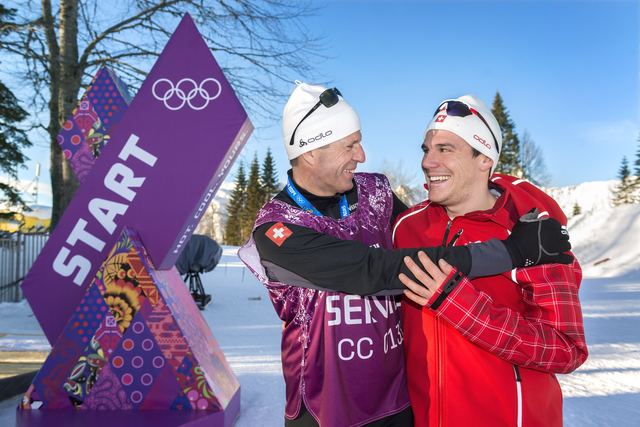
x,y
278,233
440,118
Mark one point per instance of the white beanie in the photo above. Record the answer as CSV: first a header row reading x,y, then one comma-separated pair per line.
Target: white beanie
x,y
322,127
471,128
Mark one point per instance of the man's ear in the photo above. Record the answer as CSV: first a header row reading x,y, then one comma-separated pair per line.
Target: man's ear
x,y
308,158
485,163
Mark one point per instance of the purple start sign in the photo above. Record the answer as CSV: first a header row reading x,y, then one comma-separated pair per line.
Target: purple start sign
x,y
164,163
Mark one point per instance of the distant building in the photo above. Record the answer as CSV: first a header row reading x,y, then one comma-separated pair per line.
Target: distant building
x,y
37,219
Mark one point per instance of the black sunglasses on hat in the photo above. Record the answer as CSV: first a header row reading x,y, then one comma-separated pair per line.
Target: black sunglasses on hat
x,y
460,109
328,98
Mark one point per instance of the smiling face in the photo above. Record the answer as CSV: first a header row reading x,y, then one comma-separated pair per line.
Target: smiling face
x,y
334,165
456,178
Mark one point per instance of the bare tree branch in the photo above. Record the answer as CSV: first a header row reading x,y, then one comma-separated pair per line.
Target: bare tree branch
x,y
123,25
261,45
534,167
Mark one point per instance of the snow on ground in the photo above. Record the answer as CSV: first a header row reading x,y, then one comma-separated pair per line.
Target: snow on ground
x,y
605,391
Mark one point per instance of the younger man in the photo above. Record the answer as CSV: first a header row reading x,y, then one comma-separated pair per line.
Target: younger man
x,y
483,352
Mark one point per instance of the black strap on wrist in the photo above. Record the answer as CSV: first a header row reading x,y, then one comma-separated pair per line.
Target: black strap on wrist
x,y
448,287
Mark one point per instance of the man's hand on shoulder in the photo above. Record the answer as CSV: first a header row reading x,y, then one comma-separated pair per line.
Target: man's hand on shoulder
x,y
538,240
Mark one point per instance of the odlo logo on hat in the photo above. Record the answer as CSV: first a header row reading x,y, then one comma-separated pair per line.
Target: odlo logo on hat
x,y
315,138
482,141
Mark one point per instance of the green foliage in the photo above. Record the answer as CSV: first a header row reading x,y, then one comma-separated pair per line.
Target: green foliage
x,y
509,162
636,178
248,197
577,210
233,234
12,138
623,193
255,197
268,179
636,164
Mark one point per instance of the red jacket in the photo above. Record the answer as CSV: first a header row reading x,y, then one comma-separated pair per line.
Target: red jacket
x,y
486,356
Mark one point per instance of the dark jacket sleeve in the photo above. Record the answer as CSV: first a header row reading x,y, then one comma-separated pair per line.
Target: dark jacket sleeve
x,y
398,207
315,260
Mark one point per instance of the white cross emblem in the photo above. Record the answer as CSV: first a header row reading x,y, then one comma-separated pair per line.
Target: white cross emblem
x,y
278,233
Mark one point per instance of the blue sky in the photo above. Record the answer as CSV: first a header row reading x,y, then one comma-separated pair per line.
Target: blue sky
x,y
567,71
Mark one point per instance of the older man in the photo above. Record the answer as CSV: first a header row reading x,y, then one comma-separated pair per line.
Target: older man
x,y
483,352
329,229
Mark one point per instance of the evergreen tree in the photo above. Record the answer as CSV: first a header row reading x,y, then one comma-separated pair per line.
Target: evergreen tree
x,y
577,210
268,179
255,197
12,138
635,180
623,194
636,164
233,230
509,162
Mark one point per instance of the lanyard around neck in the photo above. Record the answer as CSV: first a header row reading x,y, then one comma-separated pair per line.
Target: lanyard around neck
x,y
306,205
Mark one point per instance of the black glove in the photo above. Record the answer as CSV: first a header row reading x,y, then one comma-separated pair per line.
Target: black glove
x,y
536,241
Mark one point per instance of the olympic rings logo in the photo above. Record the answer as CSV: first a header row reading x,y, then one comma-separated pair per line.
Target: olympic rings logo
x,y
185,91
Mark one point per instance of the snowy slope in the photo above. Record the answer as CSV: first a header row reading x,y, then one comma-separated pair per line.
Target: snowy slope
x,y
606,239
591,196
607,242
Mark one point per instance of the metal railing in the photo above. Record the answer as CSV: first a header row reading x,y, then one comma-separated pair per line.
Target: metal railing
x,y
18,252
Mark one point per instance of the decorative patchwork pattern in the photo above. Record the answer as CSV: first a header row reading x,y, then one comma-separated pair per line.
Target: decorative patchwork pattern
x,y
108,334
87,317
85,372
137,362
195,386
123,293
137,341
199,338
107,393
85,133
138,269
167,334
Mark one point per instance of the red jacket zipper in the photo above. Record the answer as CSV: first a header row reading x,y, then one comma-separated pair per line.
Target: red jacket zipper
x,y
439,336
440,385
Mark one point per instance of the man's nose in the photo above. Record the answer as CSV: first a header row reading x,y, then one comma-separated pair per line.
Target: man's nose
x,y
429,160
359,155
